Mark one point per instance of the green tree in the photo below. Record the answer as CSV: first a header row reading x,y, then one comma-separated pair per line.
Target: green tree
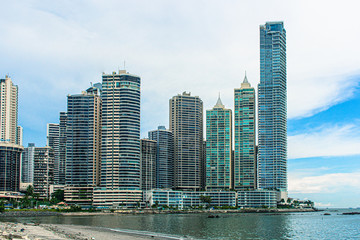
x,y
29,191
57,196
156,204
2,206
206,199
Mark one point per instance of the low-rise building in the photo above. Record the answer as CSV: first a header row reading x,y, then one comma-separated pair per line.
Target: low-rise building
x,y
116,198
257,198
79,195
218,198
189,199
164,197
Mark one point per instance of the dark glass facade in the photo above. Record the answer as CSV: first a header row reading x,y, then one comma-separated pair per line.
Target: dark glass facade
x,y
10,161
148,164
164,157
83,139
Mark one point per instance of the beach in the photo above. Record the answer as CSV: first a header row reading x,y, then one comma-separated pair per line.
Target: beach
x,y
9,230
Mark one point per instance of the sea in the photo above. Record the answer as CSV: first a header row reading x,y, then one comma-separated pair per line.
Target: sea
x,y
301,225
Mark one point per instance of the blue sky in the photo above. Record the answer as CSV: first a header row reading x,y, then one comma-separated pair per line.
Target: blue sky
x,y
325,161
52,49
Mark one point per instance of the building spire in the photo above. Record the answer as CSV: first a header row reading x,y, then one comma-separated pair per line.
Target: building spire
x,y
219,104
245,83
245,79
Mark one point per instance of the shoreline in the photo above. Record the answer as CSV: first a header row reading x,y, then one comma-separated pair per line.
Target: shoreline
x,y
45,213
10,230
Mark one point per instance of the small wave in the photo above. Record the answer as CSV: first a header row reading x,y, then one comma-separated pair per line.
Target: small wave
x,y
146,233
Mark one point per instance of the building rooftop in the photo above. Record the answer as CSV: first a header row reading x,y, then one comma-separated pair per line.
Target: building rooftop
x,y
219,104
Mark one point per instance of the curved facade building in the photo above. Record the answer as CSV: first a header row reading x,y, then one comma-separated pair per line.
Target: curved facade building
x,y
120,149
10,161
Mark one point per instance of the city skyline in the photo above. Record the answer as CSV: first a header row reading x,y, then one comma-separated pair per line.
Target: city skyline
x,y
323,127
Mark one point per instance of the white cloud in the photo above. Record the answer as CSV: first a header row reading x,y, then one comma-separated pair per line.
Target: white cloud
x,y
327,183
199,46
325,141
323,205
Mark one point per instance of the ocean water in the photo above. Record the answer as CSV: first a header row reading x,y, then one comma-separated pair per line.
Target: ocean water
x,y
314,225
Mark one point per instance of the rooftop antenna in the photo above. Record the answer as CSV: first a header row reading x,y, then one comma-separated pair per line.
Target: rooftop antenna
x,y
124,65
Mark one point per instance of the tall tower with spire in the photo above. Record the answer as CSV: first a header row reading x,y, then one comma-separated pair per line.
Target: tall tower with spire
x,y
245,167
218,147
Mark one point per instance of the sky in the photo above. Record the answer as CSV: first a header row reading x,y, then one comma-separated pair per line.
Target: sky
x,y
54,48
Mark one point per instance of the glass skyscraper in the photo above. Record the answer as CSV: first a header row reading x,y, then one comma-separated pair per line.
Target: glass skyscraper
x,y
120,148
218,147
245,149
83,138
164,157
60,160
272,155
10,165
27,164
148,164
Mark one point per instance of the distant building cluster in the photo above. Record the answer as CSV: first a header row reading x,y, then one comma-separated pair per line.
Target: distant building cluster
x,y
95,154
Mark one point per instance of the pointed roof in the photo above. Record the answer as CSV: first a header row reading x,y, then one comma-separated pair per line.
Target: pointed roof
x,y
219,104
245,83
245,79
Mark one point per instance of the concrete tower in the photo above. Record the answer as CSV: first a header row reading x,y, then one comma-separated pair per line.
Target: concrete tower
x,y
8,111
186,123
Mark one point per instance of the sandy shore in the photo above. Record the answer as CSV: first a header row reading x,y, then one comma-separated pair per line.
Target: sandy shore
x,y
56,231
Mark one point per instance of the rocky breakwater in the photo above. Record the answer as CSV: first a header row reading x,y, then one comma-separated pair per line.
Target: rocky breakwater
x,y
28,213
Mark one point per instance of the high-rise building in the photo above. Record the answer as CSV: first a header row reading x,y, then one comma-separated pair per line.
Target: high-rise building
x,y
245,167
43,171
148,164
8,111
203,160
272,108
83,138
60,160
19,135
27,164
52,140
10,160
218,147
186,123
164,157
120,148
